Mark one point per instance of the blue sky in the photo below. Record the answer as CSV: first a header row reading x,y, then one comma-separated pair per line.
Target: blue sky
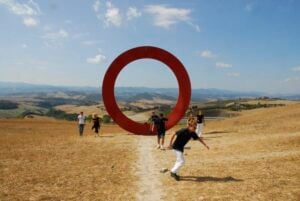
x,y
251,45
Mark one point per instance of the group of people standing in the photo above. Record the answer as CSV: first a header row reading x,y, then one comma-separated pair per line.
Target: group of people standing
x,y
96,124
180,138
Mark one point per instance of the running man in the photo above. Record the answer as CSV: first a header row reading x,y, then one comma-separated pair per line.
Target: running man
x,y
81,122
183,136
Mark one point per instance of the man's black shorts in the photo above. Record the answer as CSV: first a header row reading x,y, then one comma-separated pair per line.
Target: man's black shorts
x,y
161,133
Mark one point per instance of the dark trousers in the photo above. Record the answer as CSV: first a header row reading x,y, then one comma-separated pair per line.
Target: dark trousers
x,y
96,128
81,127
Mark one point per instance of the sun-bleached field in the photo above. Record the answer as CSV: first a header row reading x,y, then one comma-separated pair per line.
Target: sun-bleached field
x,y
255,156
46,160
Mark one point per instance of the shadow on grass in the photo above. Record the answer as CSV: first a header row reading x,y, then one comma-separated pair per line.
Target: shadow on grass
x,y
211,137
218,132
209,178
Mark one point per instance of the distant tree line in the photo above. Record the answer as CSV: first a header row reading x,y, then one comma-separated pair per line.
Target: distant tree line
x,y
52,102
245,106
8,105
59,114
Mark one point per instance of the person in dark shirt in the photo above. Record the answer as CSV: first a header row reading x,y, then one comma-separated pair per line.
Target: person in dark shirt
x,y
161,131
183,136
96,124
154,121
200,123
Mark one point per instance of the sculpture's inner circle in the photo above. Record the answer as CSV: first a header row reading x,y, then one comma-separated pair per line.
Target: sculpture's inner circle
x,y
137,103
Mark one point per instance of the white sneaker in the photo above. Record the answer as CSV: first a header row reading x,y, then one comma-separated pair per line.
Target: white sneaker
x,y
162,147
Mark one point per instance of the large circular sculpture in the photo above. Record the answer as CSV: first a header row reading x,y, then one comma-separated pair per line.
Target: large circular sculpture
x,y
145,52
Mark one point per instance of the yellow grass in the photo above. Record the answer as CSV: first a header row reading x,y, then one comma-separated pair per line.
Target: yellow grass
x,y
42,160
255,156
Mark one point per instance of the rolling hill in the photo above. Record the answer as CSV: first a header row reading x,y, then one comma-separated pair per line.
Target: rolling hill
x,y
125,93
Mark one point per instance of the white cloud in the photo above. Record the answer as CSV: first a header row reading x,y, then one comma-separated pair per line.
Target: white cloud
x,y
47,28
90,42
32,63
55,39
24,45
31,8
96,5
112,15
68,21
132,12
167,16
292,79
98,59
296,68
81,35
30,22
207,54
25,10
223,65
61,34
233,74
197,27
249,7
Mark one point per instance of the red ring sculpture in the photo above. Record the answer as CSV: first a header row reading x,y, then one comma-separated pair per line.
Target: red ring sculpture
x,y
145,52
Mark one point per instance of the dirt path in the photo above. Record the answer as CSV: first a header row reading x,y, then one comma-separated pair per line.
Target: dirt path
x,y
149,177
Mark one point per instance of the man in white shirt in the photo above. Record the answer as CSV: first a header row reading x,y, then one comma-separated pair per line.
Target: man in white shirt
x,y
81,122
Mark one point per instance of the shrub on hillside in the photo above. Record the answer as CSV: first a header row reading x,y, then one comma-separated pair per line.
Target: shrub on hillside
x,y
106,119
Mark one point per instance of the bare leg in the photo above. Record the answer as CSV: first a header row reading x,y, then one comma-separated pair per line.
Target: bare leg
x,y
158,141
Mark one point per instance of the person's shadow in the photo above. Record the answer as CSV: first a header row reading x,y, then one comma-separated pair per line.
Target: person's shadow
x,y
209,178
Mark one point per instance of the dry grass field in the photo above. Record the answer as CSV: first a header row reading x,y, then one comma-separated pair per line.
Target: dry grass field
x,y
255,156
46,160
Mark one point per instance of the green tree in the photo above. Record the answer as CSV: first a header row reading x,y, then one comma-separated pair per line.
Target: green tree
x,y
106,119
